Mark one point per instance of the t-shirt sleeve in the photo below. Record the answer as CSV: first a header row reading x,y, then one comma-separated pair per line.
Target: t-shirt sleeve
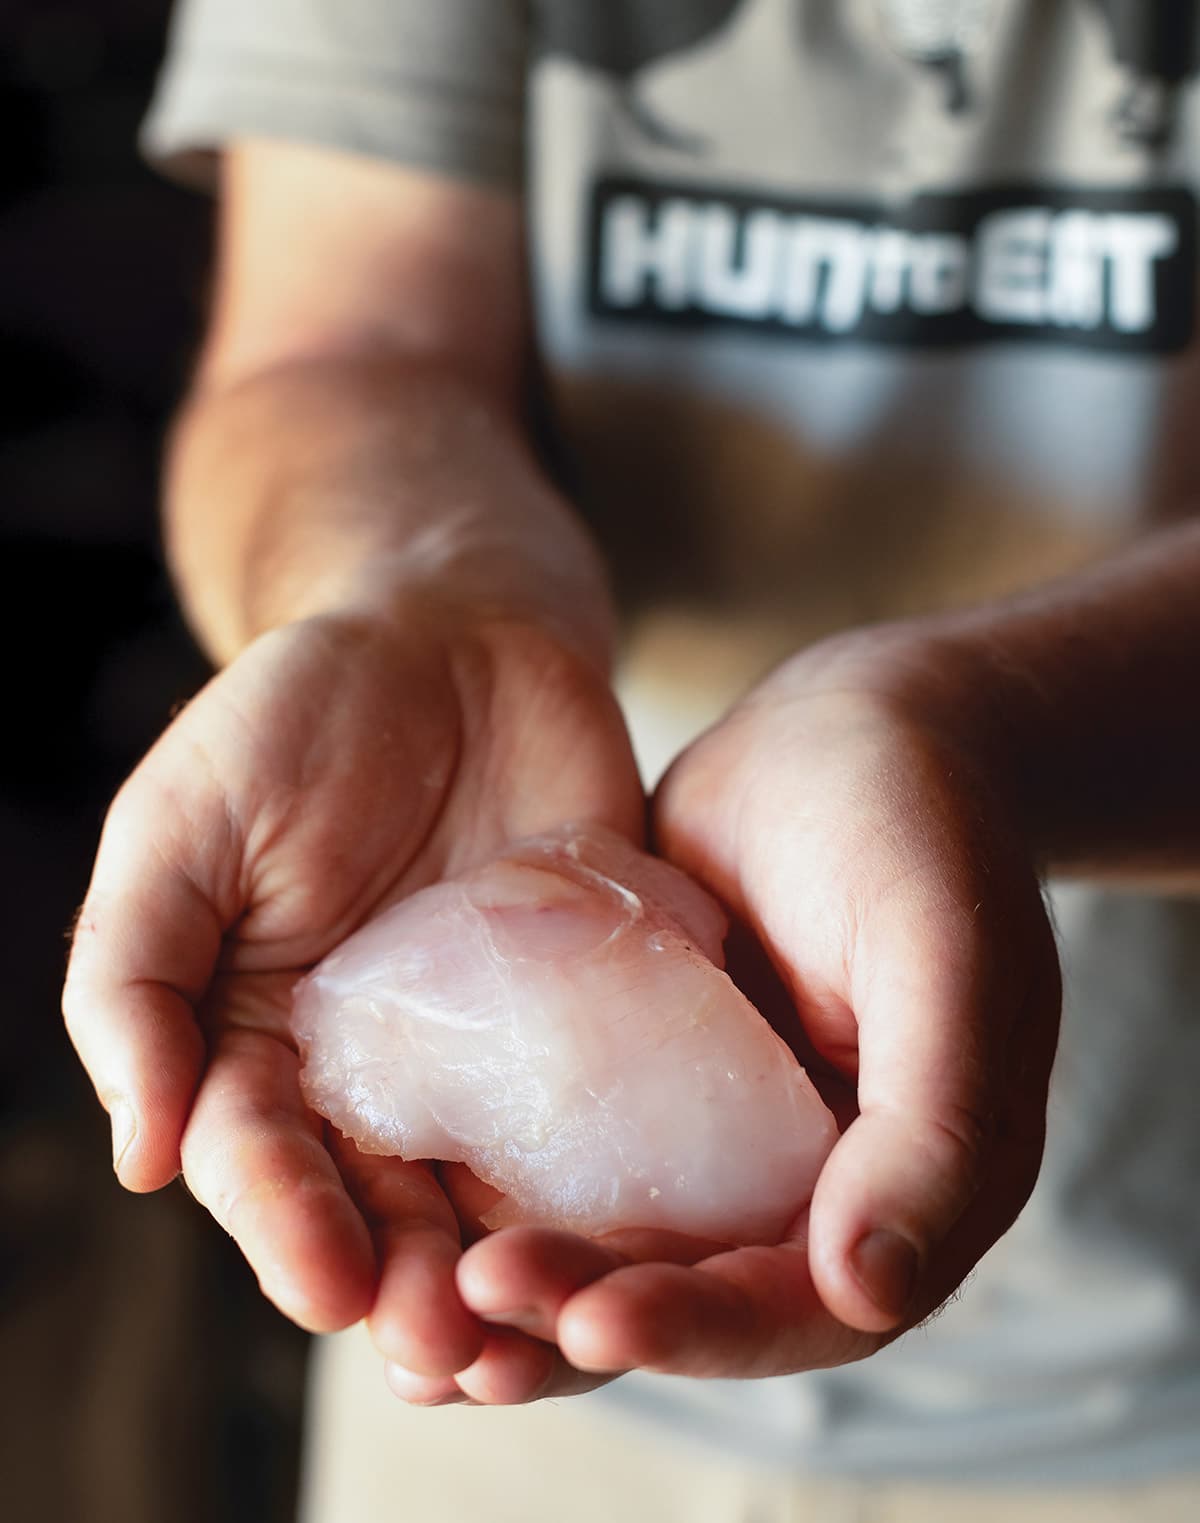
x,y
434,84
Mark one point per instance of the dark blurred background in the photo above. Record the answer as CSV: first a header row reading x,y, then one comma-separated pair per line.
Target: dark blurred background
x,y
144,1378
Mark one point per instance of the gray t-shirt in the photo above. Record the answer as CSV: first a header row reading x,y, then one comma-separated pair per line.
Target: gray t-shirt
x,y
850,309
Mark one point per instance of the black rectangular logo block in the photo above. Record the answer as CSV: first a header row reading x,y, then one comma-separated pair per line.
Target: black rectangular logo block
x,y
1083,266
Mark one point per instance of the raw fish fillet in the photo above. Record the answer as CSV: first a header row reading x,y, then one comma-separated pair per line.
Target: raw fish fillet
x,y
558,1021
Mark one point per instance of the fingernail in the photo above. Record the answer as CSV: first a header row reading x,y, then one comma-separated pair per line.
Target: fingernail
x,y
885,1265
124,1129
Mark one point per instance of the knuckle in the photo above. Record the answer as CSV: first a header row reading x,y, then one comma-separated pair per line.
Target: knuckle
x,y
961,1137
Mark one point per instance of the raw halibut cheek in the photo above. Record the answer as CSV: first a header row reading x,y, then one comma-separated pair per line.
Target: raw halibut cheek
x,y
556,1020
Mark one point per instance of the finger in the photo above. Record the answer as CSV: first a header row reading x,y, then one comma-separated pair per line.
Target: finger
x,y
748,1313
742,1313
514,1370
945,1153
906,1169
145,945
523,1276
418,1319
471,1198
254,1156
423,1390
941,1009
509,1372
144,1054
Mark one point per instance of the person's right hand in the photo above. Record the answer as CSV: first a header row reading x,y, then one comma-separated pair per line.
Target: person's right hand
x,y
334,767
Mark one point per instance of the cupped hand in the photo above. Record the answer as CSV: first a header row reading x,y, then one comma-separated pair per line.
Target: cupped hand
x,y
335,766
868,845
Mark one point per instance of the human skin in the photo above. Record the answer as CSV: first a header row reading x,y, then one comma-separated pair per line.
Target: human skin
x,y
415,636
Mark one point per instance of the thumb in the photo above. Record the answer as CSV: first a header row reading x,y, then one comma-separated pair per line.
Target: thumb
x,y
946,1146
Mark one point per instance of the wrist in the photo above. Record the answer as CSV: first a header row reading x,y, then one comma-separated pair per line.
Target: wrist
x,y
358,488
453,587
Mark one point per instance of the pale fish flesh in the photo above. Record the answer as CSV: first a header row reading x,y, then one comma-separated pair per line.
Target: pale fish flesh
x,y
559,1021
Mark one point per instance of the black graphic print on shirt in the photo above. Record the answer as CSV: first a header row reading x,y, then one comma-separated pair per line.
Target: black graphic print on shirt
x,y
939,35
1157,42
1085,267
623,39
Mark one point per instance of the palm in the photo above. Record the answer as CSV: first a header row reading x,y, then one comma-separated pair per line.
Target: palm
x,y
355,770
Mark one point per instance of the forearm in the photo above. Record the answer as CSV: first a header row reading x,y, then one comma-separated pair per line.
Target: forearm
x,y
1081,698
355,483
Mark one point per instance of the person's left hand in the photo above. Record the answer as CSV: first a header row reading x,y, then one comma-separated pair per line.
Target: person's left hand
x,y
870,847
